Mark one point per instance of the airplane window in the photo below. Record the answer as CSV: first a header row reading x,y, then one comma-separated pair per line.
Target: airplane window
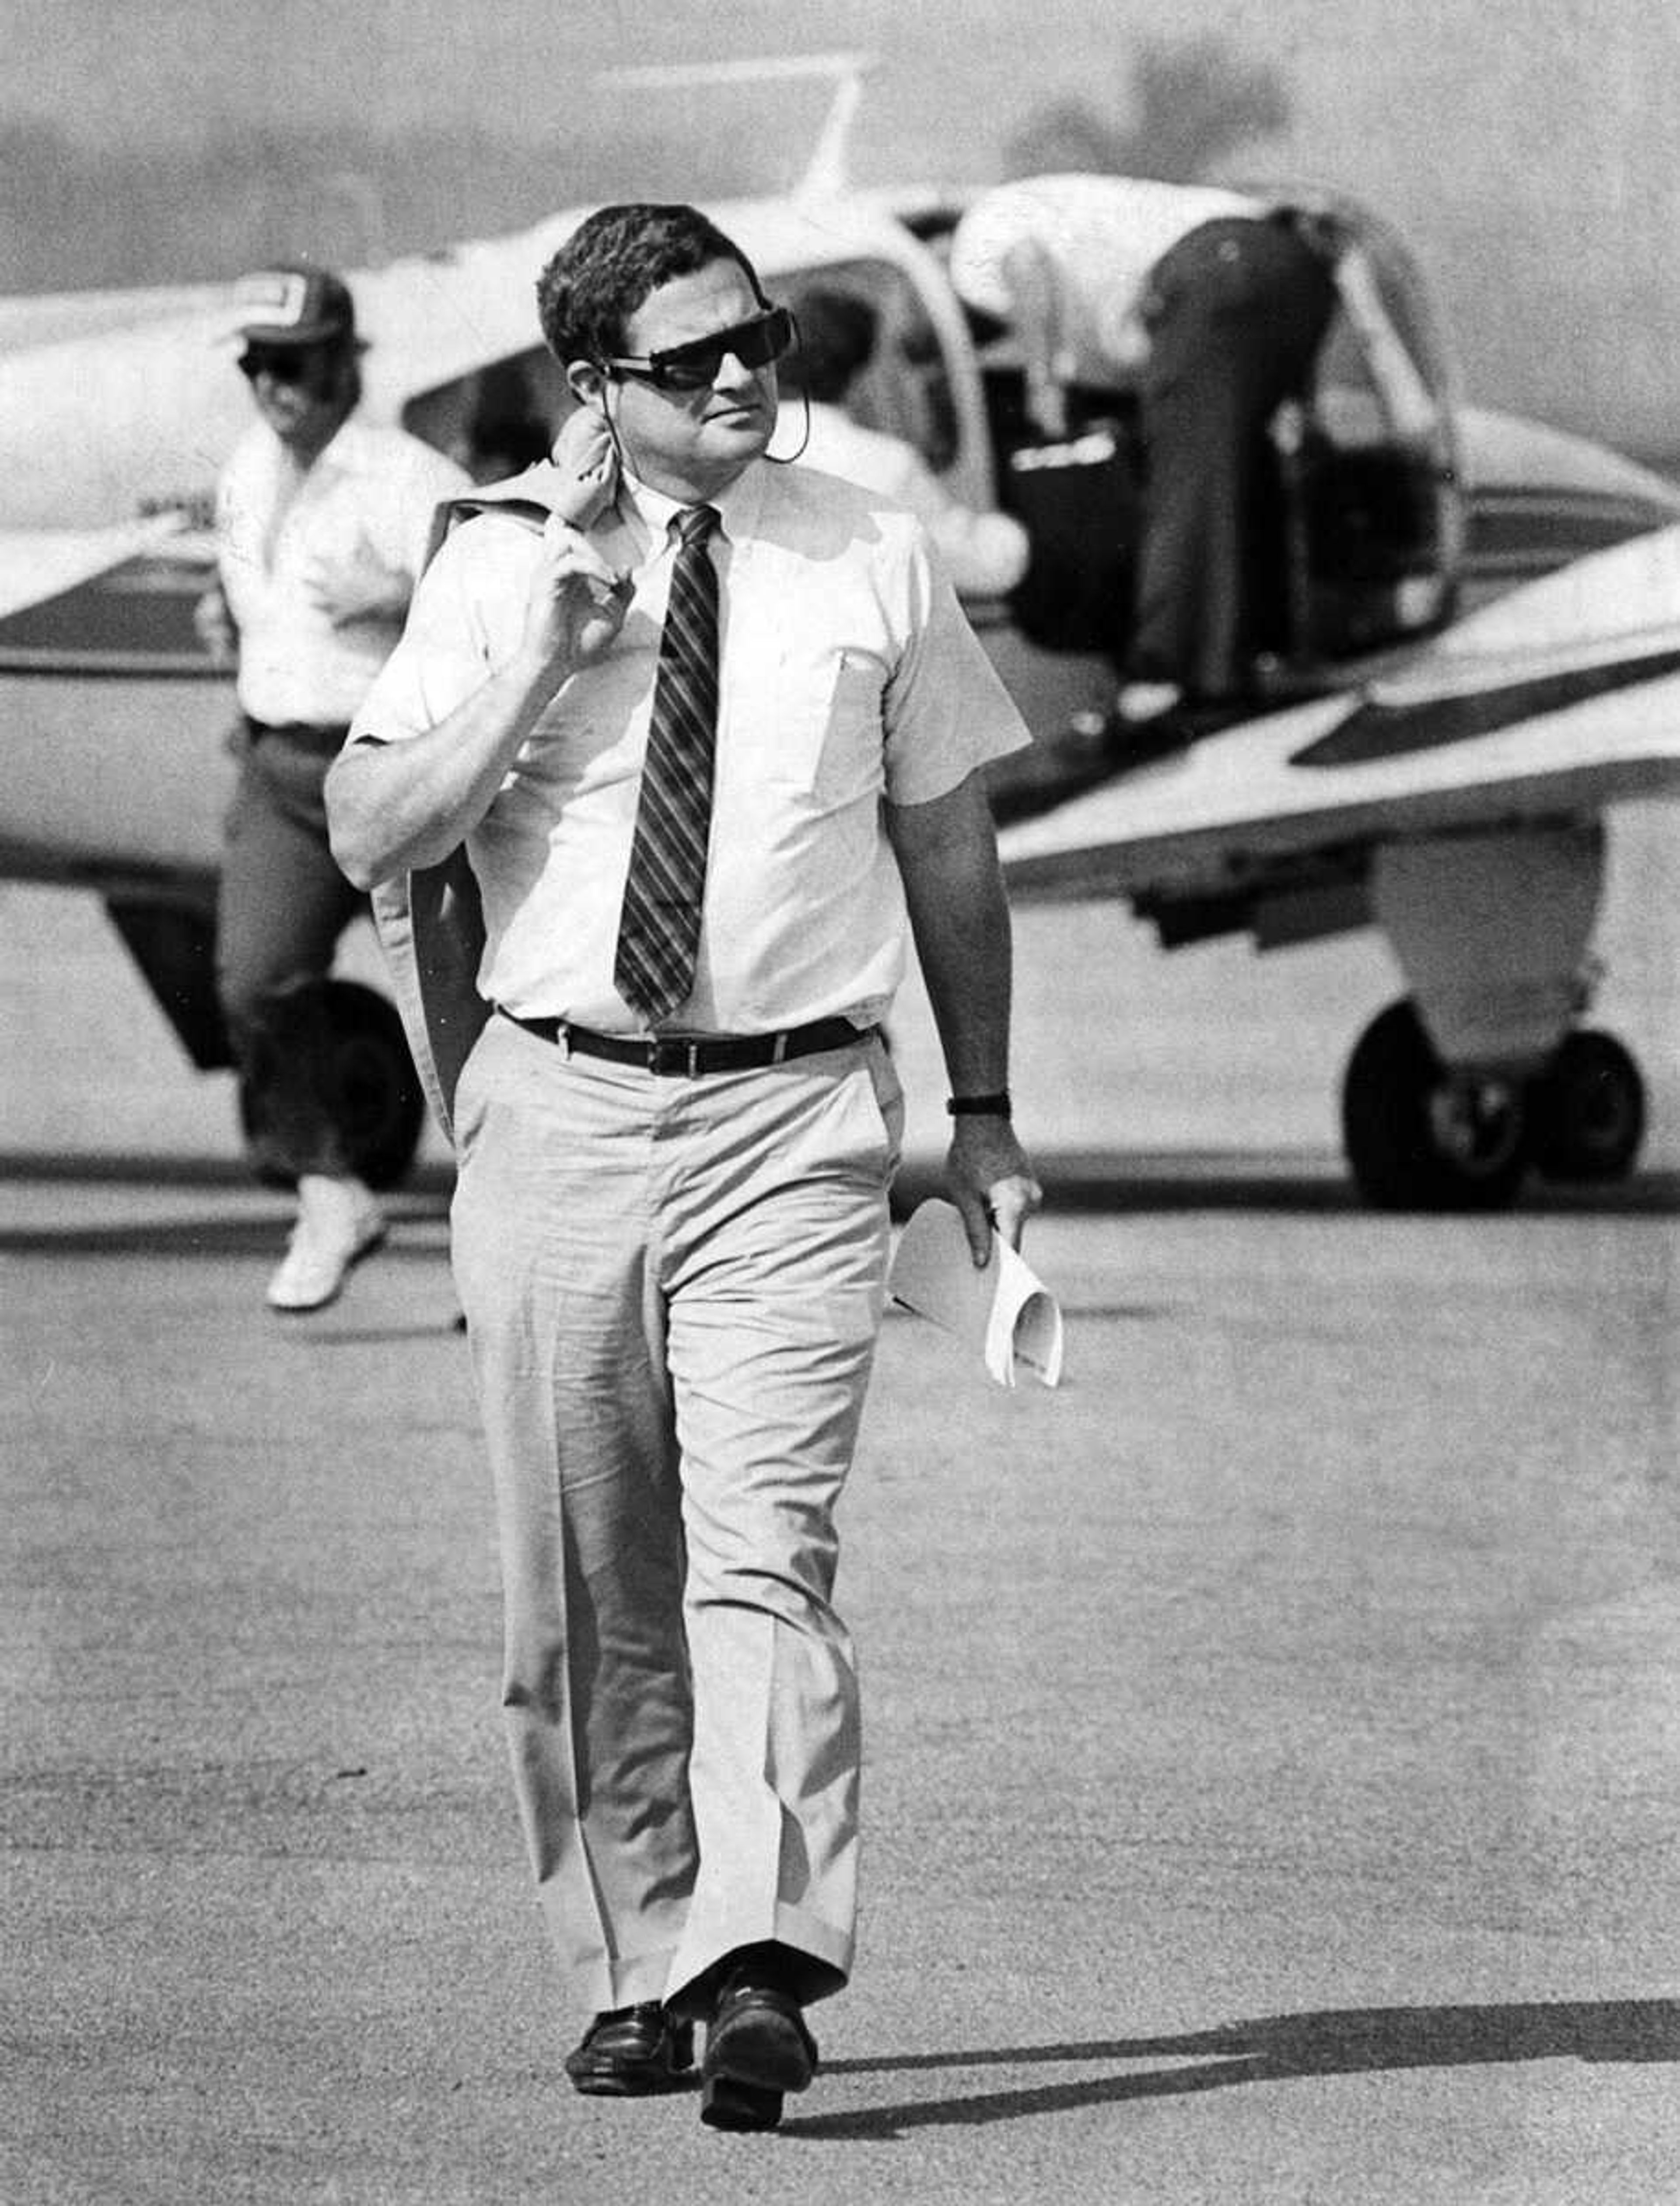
x,y
1347,404
499,420
1374,500
1408,302
904,390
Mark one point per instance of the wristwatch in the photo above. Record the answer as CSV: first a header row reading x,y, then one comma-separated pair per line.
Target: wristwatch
x,y
995,1105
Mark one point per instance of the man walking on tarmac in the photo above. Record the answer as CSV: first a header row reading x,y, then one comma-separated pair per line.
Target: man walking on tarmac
x,y
322,522
709,738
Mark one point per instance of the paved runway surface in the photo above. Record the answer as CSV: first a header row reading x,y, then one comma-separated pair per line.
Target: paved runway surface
x,y
1273,1761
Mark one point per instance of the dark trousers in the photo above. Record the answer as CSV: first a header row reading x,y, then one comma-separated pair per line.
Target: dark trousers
x,y
283,905
1236,312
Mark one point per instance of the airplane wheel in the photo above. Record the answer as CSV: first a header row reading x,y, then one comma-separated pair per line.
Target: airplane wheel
x,y
1588,1110
377,1100
1416,1139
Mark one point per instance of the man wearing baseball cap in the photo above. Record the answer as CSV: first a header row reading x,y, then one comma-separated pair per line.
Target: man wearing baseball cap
x,y
296,305
322,523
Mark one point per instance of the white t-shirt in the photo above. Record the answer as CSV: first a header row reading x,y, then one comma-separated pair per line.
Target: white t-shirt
x,y
1103,235
985,554
369,498
848,678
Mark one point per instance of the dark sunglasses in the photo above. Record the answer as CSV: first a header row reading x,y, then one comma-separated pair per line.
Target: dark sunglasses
x,y
693,366
289,364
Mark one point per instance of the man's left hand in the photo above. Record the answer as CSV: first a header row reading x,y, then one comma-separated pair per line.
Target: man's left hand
x,y
990,1182
355,583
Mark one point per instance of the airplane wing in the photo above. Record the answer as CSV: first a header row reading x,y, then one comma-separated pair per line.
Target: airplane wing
x,y
40,567
54,318
115,715
1556,700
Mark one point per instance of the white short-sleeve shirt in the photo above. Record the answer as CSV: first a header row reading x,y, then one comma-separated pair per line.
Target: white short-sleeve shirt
x,y
850,679
369,495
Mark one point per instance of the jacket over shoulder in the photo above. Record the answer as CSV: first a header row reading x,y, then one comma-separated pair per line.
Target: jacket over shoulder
x,y
430,922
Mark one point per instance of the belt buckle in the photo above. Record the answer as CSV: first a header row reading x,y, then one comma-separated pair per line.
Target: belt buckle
x,y
669,1055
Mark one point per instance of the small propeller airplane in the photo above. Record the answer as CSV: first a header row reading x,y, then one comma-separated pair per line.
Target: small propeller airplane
x,y
1485,658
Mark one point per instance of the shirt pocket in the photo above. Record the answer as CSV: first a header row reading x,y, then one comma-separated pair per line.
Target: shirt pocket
x,y
816,727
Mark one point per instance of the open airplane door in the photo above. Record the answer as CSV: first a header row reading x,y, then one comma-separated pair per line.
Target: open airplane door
x,y
1372,473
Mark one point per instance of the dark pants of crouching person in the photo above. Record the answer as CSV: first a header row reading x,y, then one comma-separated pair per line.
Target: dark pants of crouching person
x,y
1237,312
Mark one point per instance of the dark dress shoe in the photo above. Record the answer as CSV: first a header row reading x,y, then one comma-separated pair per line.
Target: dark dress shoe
x,y
631,2051
757,2048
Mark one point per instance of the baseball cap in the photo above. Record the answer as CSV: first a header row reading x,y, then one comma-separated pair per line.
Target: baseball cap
x,y
294,304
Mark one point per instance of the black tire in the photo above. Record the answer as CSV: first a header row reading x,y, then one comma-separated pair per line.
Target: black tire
x,y
1391,1126
376,1102
1588,1110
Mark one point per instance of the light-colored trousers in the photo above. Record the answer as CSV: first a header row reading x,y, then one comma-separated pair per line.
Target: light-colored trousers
x,y
673,1288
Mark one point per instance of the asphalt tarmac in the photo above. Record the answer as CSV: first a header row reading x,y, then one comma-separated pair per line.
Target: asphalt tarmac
x,y
1273,1751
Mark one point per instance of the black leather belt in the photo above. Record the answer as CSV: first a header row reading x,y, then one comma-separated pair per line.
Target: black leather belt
x,y
685,1056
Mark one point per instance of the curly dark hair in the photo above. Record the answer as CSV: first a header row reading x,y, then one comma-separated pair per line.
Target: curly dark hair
x,y
612,262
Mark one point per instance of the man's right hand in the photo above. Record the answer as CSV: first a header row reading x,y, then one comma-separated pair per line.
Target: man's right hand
x,y
575,605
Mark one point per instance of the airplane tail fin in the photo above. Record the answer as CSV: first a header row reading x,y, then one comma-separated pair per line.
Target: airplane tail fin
x,y
826,173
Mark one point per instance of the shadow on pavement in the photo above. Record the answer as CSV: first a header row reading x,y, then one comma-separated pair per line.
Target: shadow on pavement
x,y
1340,2041
1130,1182
206,1228
378,1336
208,1237
1117,1182
139,1168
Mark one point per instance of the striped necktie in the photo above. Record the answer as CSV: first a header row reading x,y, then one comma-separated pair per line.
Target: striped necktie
x,y
659,928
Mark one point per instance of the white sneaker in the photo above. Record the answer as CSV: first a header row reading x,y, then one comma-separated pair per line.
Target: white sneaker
x,y
338,1222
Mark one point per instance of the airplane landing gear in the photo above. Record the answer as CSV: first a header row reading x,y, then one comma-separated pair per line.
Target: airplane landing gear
x,y
1588,1109
377,1099
1420,1137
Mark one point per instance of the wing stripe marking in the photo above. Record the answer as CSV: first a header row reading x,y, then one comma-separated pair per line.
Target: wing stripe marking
x,y
1373,731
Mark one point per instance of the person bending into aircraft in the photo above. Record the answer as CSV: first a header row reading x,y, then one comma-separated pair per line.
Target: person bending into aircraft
x,y
985,554
708,743
1216,306
321,523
